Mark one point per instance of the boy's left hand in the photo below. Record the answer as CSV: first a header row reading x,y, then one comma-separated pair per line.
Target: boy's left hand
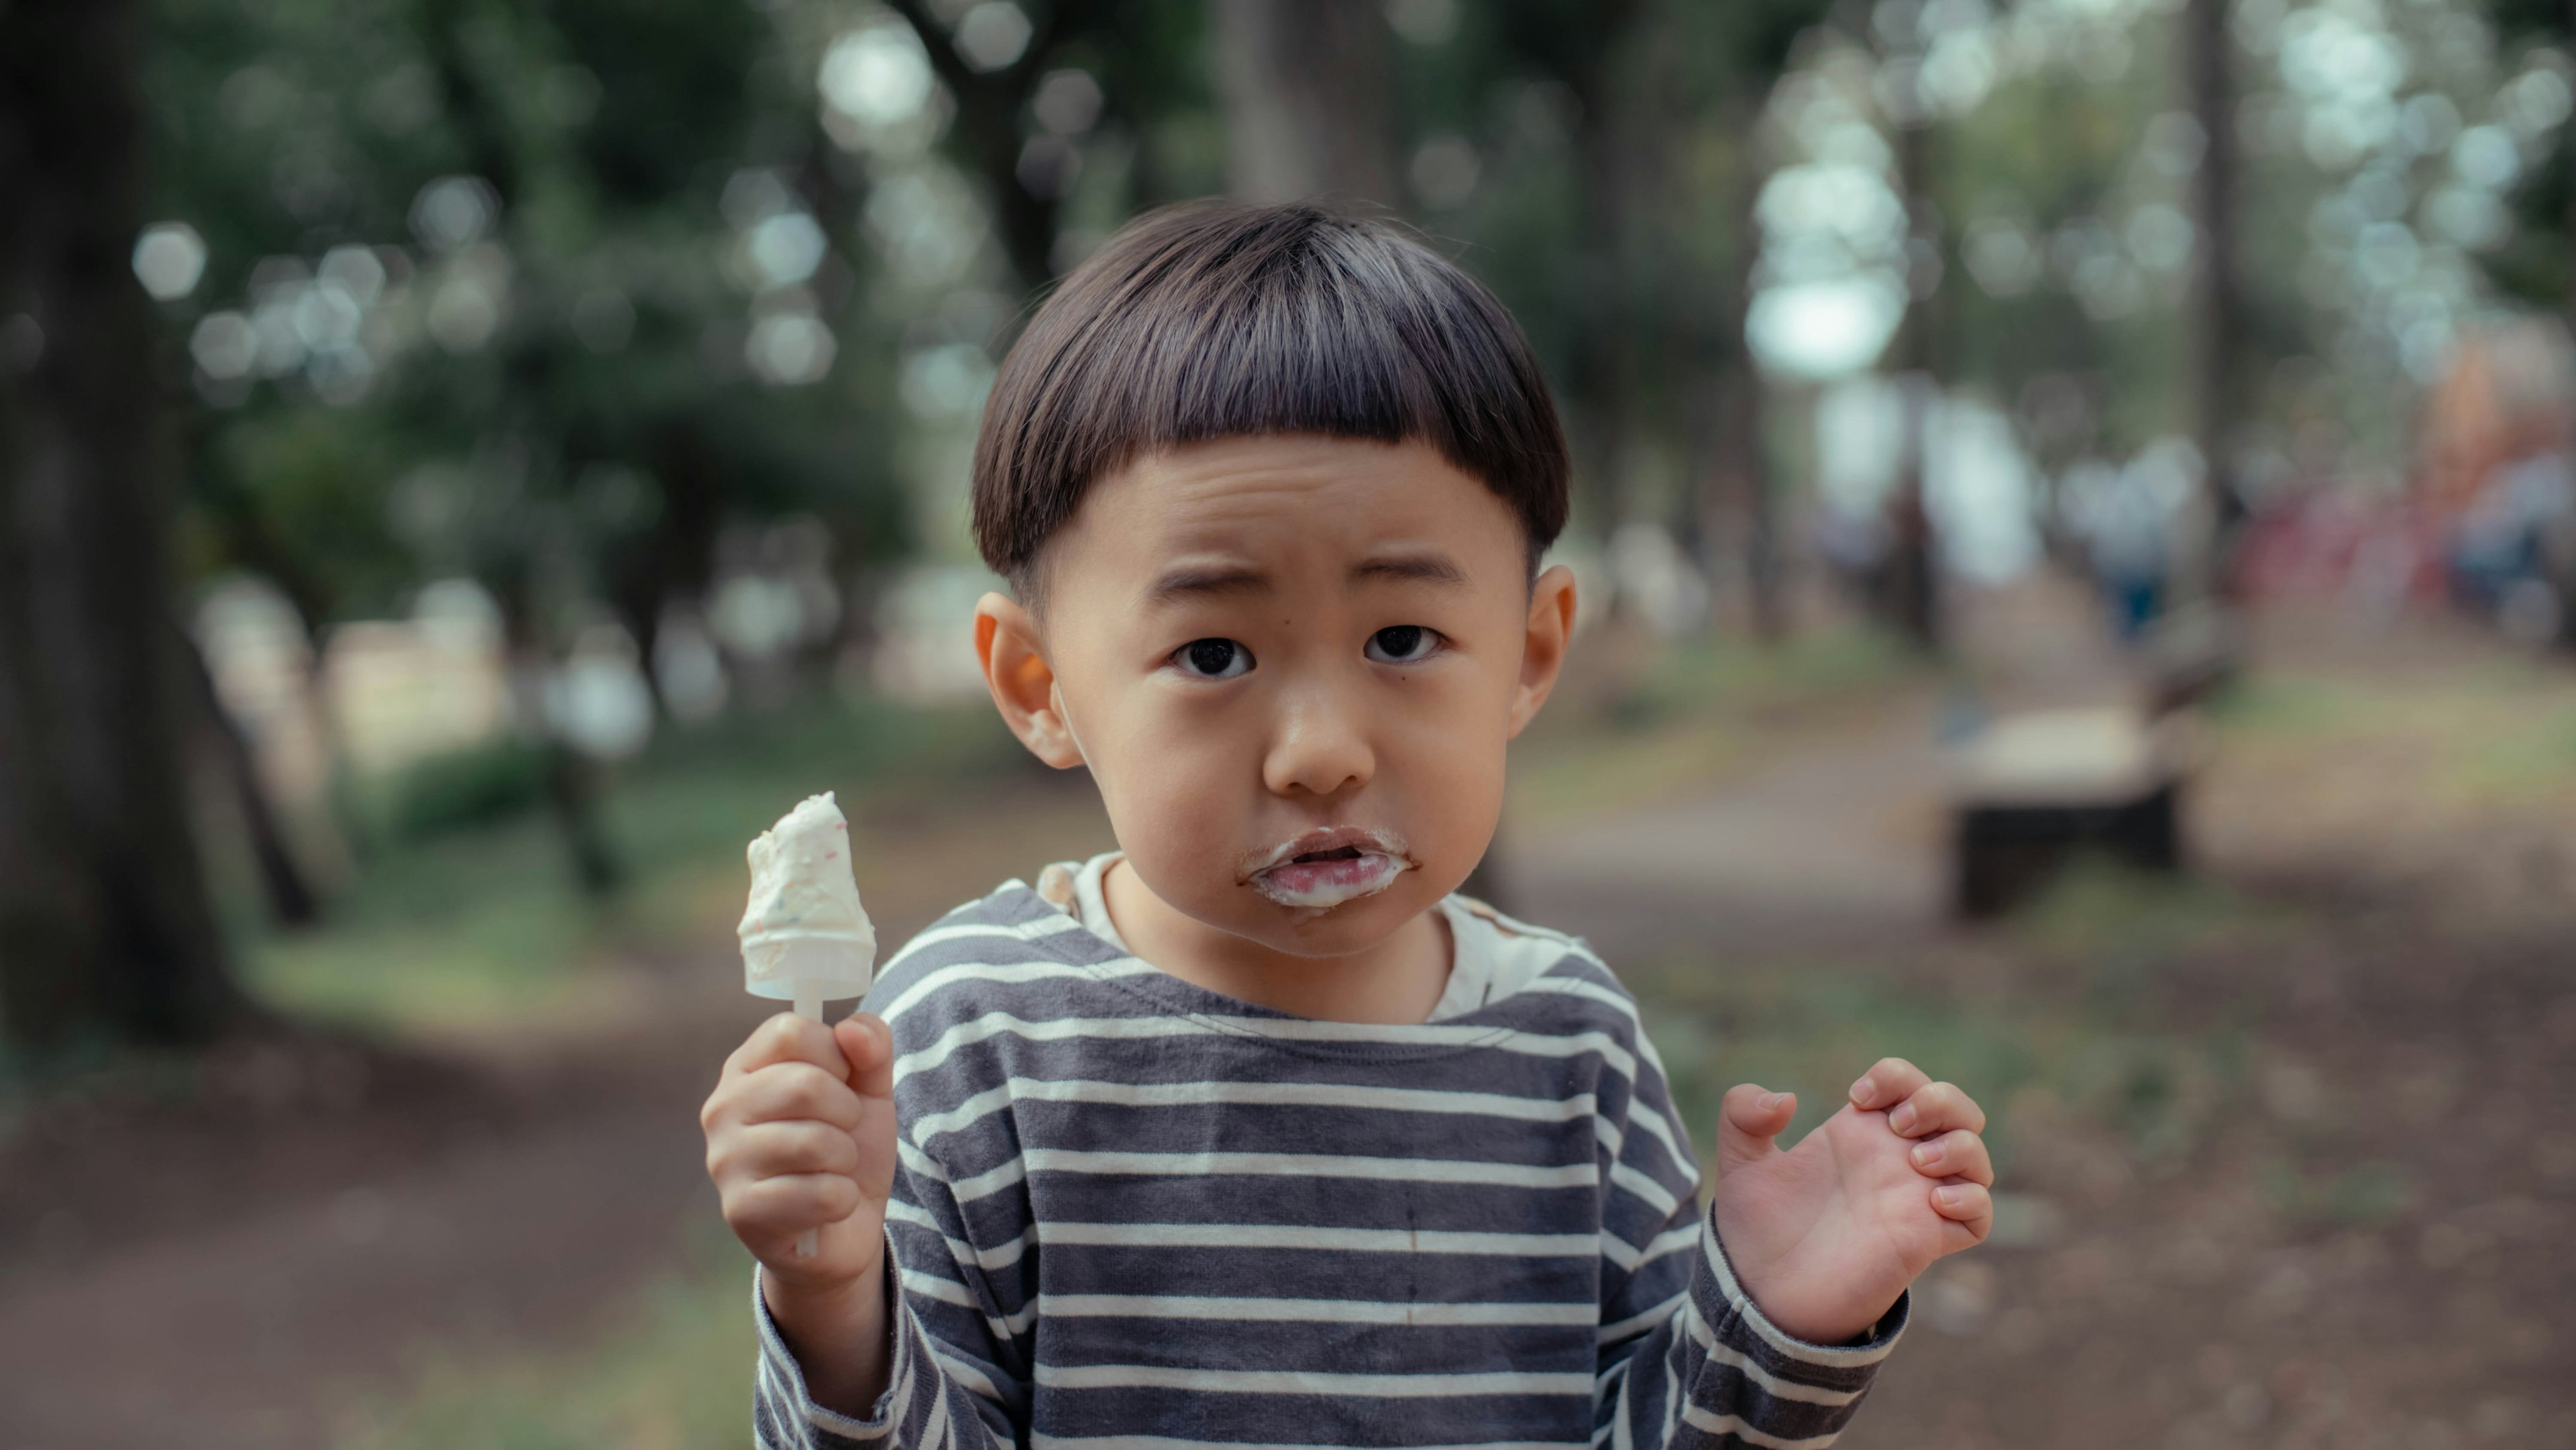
x,y
1826,1235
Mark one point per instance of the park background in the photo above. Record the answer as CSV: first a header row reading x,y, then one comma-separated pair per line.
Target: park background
x,y
466,466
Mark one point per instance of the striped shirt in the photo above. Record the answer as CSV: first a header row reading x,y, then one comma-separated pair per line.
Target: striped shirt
x,y
1132,1212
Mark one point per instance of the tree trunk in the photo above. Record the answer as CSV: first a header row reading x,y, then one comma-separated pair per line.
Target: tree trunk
x,y
2218,285
106,930
1737,479
986,133
1309,99
1910,586
291,899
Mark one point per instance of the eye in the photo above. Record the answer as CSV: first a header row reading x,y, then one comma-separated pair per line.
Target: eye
x,y
1402,644
1213,659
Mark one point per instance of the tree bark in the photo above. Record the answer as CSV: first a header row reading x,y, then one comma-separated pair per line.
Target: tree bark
x,y
1737,489
987,135
291,899
1910,583
106,929
2218,284
1309,99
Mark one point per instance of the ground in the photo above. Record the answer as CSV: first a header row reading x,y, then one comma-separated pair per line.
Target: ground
x,y
2283,1155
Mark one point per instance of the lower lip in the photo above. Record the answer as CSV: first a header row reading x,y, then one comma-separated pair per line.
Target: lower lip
x,y
1322,885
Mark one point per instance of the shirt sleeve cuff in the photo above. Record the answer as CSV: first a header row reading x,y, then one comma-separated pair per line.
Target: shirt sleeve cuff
x,y
783,1379
1868,1349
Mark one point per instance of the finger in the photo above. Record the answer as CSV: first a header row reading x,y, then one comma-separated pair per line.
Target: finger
x,y
1954,1154
1748,1119
1966,1204
782,1150
867,1043
792,1091
776,1207
789,1038
1893,1080
1934,1108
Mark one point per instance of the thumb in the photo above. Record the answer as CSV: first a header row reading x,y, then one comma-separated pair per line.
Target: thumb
x,y
1749,1118
868,1045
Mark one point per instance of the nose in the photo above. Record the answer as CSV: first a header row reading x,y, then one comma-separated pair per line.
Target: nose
x,y
1321,746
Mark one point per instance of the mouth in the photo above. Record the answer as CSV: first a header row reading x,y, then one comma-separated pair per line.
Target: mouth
x,y
1323,869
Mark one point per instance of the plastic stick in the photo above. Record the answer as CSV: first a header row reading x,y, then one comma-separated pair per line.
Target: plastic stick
x,y
809,1005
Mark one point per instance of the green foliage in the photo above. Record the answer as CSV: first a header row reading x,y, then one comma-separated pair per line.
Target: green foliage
x,y
477,786
676,1372
470,925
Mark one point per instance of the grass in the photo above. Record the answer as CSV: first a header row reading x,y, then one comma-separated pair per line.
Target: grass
x,y
1688,716
2056,1013
479,926
2494,733
675,1375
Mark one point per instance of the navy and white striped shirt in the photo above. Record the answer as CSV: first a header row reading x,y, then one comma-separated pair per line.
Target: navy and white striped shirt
x,y
1132,1212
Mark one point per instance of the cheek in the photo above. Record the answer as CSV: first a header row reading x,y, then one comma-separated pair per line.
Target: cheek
x,y
1441,757
1168,774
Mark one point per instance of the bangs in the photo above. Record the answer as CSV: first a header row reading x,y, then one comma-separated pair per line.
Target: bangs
x,y
1214,320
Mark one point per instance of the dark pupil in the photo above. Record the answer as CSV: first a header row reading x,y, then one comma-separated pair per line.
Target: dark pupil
x,y
1400,640
1211,656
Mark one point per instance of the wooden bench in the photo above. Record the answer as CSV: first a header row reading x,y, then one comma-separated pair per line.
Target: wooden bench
x,y
2032,791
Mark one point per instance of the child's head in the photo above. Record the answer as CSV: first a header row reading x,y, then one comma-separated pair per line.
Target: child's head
x,y
1271,485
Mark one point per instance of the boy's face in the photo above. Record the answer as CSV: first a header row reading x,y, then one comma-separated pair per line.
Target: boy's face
x,y
1292,664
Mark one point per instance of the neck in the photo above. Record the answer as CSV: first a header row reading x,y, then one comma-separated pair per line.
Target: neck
x,y
1397,980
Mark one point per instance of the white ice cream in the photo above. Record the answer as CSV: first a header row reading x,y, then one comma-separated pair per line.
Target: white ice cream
x,y
804,934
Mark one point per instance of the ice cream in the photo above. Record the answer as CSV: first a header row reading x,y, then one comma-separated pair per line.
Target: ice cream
x,y
805,938
1324,868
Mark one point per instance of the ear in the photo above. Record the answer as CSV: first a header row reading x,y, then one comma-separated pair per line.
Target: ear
x,y
1023,686
1551,629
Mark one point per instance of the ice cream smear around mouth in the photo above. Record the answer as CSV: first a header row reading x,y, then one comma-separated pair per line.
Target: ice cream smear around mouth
x,y
1323,869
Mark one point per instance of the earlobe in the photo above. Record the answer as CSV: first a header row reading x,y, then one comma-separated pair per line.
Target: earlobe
x,y
1021,681
1551,629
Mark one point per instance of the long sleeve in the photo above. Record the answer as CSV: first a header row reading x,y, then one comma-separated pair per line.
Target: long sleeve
x,y
952,1380
1686,1357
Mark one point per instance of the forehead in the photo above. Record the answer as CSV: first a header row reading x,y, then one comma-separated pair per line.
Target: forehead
x,y
1292,497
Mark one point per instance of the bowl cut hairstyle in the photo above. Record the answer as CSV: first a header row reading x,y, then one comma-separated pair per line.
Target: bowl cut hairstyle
x,y
1214,320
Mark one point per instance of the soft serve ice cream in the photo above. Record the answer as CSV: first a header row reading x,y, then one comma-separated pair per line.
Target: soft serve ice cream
x,y
805,938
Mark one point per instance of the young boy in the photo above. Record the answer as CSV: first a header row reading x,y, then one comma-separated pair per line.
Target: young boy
x,y
1254,1132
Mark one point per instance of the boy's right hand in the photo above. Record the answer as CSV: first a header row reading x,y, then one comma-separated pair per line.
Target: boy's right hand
x,y
800,1135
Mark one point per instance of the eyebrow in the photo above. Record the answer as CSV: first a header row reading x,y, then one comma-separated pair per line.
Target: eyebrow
x,y
1423,568
1205,581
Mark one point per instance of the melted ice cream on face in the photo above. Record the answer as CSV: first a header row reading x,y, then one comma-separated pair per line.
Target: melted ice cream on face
x,y
804,922
1323,869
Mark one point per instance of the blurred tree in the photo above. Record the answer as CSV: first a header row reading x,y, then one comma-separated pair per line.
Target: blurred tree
x,y
547,296
1309,96
2218,343
1024,177
105,927
1736,53
2539,262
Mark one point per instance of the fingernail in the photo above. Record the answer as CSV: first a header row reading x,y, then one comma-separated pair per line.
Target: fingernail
x,y
1949,1197
1902,1120
1862,1091
1773,1100
1926,1154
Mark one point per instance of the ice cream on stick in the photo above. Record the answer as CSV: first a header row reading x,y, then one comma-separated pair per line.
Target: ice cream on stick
x,y
805,938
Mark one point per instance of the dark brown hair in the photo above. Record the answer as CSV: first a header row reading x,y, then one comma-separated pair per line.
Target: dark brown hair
x,y
1217,320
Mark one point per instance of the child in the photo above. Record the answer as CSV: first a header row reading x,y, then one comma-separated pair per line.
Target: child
x,y
1253,1132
